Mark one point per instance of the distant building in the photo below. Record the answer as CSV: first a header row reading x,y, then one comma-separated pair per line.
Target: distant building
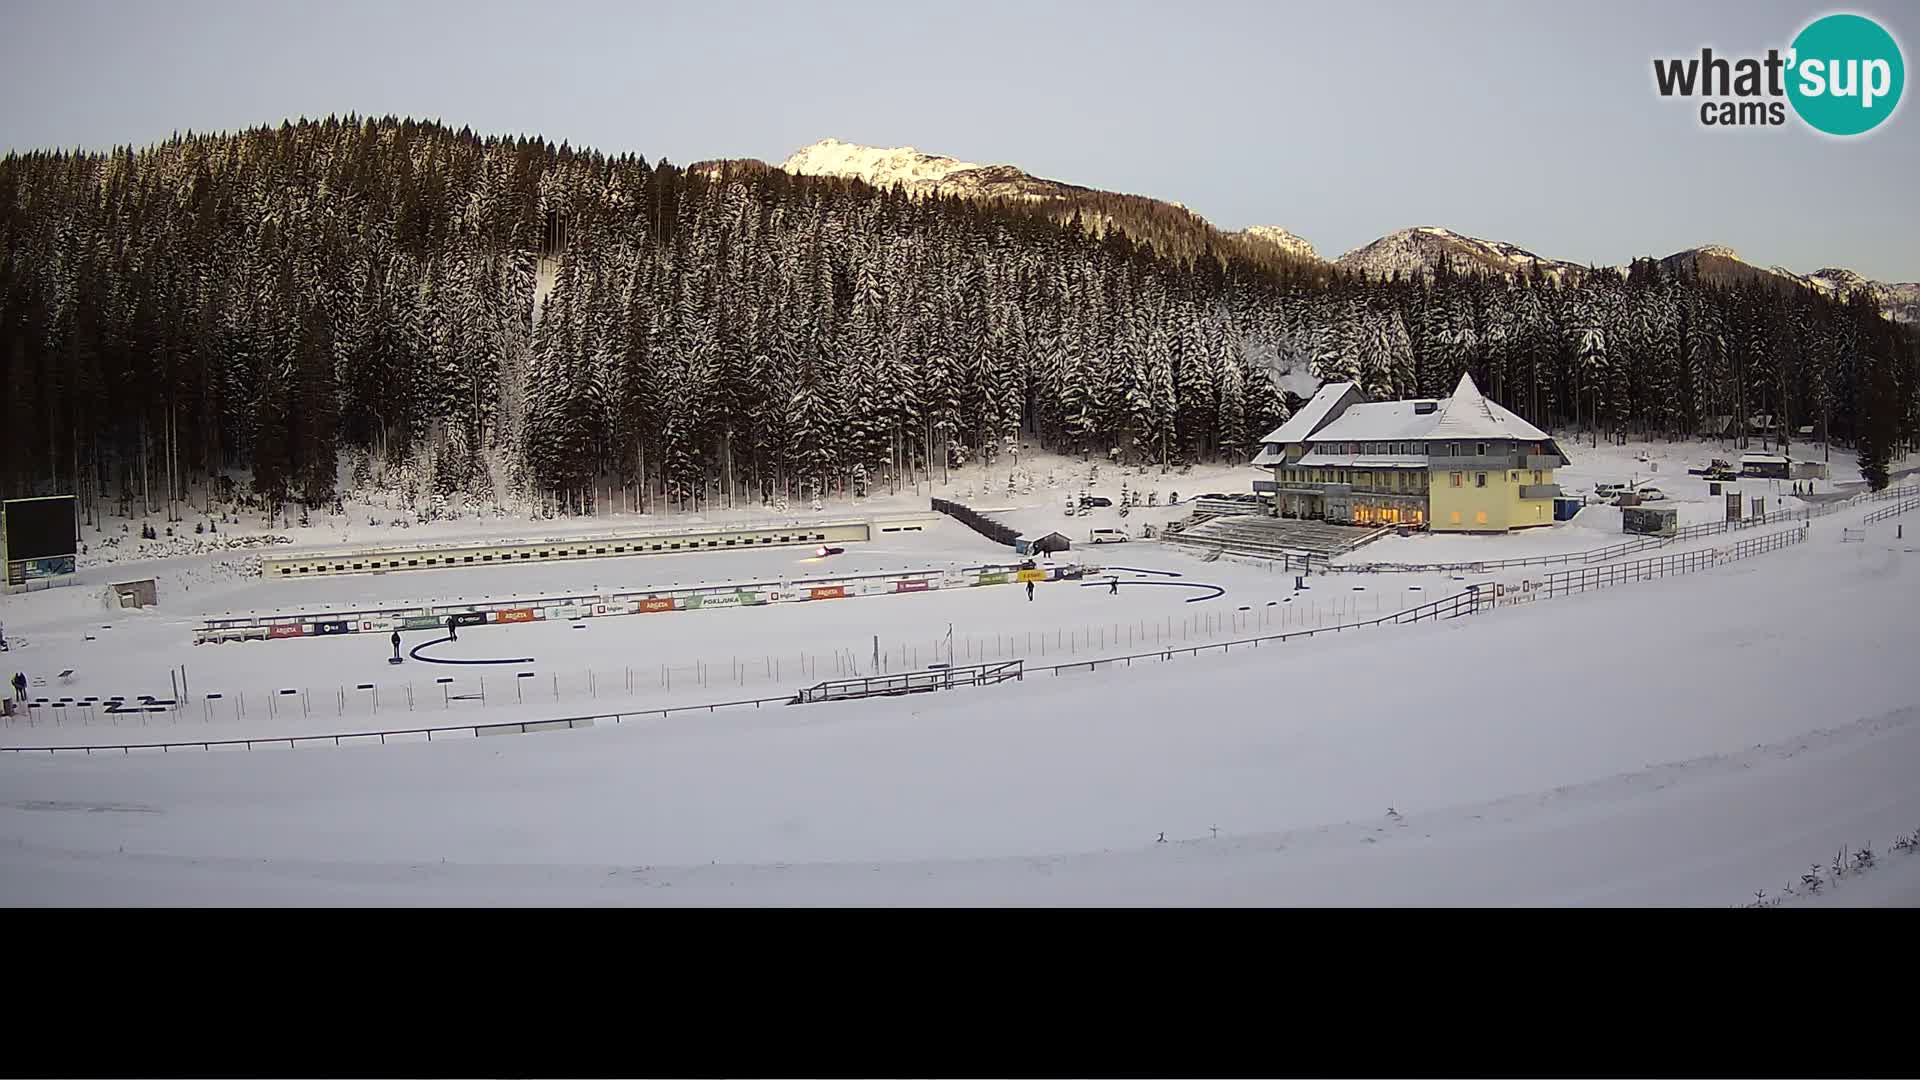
x,y
1455,464
1766,466
1041,545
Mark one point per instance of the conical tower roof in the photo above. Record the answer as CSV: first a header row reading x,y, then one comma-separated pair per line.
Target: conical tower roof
x,y
1469,415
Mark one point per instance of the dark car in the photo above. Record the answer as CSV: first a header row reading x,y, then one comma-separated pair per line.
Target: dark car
x,y
1095,500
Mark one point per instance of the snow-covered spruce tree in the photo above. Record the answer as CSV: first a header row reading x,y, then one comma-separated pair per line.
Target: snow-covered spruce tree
x,y
1235,440
315,436
1196,407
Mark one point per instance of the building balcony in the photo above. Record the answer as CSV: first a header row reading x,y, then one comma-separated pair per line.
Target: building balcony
x,y
1539,491
1541,461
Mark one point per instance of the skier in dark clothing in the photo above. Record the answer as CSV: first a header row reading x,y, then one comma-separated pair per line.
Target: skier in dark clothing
x,y
1029,592
396,644
20,686
453,634
1113,586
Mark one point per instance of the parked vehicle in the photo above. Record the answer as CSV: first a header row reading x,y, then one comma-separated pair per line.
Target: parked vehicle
x,y
1107,536
1650,494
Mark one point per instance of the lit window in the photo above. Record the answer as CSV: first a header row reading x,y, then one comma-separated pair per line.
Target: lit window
x,y
1480,518
1456,517
1480,479
1536,476
1458,478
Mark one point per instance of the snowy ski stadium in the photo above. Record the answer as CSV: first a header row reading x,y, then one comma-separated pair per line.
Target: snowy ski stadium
x,y
876,703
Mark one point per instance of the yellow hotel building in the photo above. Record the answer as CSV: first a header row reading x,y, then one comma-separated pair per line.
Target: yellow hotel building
x,y
1454,464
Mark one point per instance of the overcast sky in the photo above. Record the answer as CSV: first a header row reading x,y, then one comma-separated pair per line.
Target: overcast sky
x,y
1534,123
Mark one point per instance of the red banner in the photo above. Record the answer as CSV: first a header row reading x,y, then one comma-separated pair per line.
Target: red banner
x,y
279,630
658,603
832,592
909,586
516,615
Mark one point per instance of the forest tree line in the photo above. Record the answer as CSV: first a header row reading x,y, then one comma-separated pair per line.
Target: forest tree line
x,y
512,323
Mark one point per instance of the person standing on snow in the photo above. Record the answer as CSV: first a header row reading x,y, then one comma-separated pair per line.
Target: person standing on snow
x,y
20,686
1029,592
396,644
453,632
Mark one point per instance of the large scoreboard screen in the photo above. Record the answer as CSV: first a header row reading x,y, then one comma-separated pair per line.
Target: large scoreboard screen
x,y
40,537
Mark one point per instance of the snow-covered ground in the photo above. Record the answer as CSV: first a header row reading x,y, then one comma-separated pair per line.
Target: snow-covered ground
x,y
641,662
1689,740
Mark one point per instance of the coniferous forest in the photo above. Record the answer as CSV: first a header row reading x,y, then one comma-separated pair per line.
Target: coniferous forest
x,y
507,322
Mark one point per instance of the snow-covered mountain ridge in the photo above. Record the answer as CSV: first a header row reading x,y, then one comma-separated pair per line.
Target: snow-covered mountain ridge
x,y
1898,300
920,173
1422,247
1280,238
1418,249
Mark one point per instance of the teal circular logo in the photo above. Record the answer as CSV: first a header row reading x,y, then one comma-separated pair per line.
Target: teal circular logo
x,y
1845,74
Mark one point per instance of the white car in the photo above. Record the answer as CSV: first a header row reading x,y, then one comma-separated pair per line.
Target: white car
x,y
1650,494
1107,536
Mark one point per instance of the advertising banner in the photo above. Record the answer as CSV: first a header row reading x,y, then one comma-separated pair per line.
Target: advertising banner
x,y
657,603
280,630
469,618
831,592
21,571
1032,575
909,586
1525,591
331,627
991,579
725,599
421,622
517,615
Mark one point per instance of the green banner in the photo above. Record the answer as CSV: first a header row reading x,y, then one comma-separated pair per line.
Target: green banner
x,y
421,622
992,579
